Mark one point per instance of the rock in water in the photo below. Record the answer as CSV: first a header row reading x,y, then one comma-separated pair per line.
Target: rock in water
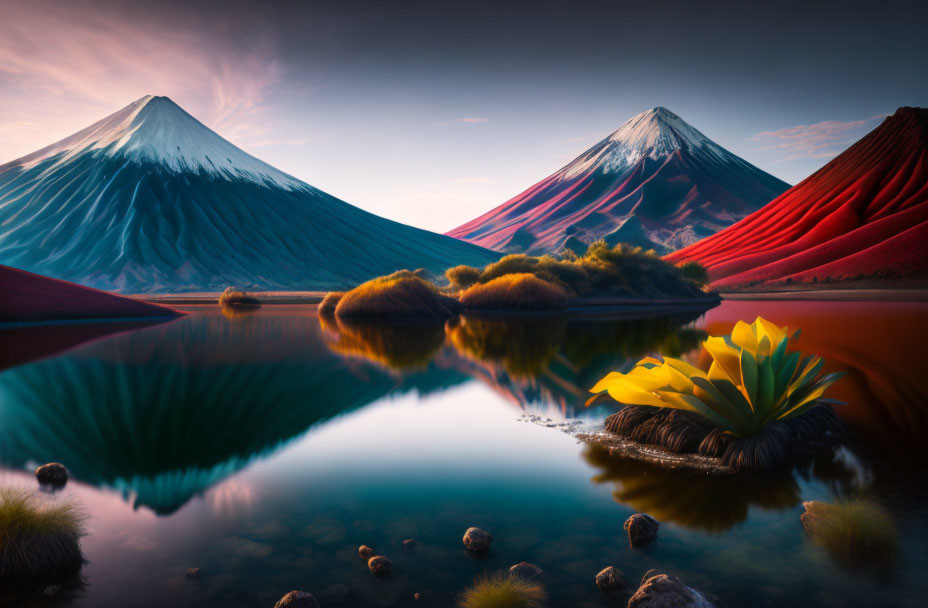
x,y
409,544
379,565
297,599
665,591
477,541
53,474
641,529
610,581
526,571
365,552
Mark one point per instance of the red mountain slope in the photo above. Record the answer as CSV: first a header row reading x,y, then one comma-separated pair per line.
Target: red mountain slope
x,y
863,215
27,297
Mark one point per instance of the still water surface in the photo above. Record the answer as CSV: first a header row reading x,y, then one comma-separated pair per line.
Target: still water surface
x,y
265,448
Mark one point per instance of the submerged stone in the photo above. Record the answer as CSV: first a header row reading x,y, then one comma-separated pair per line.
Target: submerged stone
x,y
379,565
641,529
409,544
526,571
477,541
365,552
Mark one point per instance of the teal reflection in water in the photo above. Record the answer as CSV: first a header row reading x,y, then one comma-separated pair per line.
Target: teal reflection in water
x,y
163,413
273,445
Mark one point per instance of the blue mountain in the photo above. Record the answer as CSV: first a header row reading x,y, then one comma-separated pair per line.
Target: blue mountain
x,y
151,200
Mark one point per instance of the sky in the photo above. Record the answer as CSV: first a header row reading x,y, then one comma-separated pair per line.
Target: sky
x,y
432,113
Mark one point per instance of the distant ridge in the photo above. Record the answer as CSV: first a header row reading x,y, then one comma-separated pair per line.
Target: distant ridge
x,y
151,200
656,182
862,216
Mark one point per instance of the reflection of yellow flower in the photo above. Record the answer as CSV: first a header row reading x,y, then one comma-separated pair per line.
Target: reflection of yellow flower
x,y
751,382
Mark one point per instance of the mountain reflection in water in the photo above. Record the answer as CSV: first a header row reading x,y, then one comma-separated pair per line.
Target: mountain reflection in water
x,y
163,413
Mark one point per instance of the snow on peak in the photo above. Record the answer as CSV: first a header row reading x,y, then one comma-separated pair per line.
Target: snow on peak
x,y
155,129
655,134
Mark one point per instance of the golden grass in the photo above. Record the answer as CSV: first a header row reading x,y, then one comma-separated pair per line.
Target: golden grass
x,y
854,531
233,297
503,591
329,302
520,291
38,540
403,294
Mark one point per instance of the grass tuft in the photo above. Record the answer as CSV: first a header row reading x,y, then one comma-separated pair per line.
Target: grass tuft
x,y
39,541
503,591
855,531
520,291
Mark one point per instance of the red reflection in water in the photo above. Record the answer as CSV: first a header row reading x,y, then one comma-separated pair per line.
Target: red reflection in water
x,y
881,346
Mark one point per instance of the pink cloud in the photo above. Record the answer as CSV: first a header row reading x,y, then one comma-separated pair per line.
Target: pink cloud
x,y
64,66
824,139
473,121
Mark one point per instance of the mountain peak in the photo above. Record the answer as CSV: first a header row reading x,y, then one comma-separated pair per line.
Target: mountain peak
x,y
154,129
655,134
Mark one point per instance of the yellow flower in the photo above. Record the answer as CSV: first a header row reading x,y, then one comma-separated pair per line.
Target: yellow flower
x,y
751,382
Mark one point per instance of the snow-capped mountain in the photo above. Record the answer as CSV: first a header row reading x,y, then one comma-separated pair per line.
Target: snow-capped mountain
x,y
656,181
861,217
151,200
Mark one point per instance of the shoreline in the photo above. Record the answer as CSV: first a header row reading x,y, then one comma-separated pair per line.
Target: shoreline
x,y
835,295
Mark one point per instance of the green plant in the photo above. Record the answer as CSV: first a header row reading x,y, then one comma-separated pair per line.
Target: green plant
x,y
694,271
38,540
752,381
503,591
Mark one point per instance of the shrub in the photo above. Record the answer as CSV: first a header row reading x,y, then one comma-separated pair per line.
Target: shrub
x,y
462,277
401,294
503,591
520,291
329,302
853,531
602,271
38,541
694,271
233,297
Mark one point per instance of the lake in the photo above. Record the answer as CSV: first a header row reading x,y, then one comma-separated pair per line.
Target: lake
x,y
265,448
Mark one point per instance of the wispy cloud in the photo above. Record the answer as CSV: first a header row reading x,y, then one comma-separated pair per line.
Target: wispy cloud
x,y
473,120
62,65
824,139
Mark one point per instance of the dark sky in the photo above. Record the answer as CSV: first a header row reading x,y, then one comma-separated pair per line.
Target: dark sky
x,y
433,112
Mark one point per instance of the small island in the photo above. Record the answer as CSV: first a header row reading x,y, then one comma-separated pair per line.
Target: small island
x,y
604,277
